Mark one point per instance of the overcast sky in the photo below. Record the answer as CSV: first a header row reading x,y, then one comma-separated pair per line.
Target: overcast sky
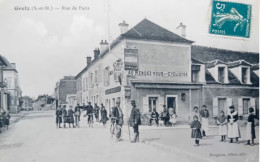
x,y
47,45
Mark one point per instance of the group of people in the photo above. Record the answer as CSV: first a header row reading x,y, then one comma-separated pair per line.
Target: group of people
x,y
4,119
72,116
168,116
228,125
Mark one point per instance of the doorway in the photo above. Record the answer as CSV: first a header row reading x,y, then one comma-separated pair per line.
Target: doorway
x,y
171,101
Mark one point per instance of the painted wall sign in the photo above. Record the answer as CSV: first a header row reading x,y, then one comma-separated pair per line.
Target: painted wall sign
x,y
156,73
131,59
113,90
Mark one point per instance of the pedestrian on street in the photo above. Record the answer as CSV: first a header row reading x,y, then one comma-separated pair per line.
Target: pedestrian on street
x,y
222,122
104,117
77,114
195,130
250,127
154,116
194,113
135,121
233,129
204,114
96,110
89,111
58,117
6,118
118,115
71,117
64,116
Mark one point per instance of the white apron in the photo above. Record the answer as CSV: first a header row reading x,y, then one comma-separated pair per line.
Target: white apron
x,y
248,131
233,130
205,124
223,130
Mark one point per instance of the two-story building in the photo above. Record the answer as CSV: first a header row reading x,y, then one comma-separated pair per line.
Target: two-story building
x,y
11,78
4,94
154,66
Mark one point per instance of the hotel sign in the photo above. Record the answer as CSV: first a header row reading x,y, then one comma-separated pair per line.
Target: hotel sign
x,y
113,90
157,73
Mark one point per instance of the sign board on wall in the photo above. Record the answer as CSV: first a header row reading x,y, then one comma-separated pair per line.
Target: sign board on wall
x,y
131,59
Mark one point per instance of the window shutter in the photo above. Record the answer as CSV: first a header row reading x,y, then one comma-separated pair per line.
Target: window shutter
x,y
229,103
215,107
145,104
240,107
252,103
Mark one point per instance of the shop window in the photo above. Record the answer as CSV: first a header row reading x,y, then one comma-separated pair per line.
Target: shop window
x,y
221,74
152,103
244,75
195,73
246,104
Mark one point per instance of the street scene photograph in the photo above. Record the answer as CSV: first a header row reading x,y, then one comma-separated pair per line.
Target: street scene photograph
x,y
131,81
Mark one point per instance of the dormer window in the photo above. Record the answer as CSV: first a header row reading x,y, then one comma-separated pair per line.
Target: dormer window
x,y
245,75
195,73
221,74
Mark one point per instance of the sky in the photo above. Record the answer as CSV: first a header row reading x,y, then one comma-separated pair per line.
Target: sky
x,y
47,45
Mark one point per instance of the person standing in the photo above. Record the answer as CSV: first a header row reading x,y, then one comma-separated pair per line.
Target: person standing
x,y
96,110
222,122
194,113
77,114
58,117
250,127
103,112
118,115
195,130
6,118
135,121
233,129
204,114
71,117
165,115
64,116
89,111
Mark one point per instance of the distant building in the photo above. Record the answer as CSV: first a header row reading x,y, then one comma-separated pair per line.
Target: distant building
x,y
154,66
71,100
27,103
4,93
64,87
44,102
11,77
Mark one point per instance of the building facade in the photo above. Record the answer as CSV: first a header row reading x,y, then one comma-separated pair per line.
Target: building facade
x,y
44,102
65,86
156,67
4,94
27,103
11,78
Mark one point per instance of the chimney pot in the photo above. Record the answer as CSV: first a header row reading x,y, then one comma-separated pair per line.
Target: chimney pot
x,y
88,60
96,53
123,27
103,45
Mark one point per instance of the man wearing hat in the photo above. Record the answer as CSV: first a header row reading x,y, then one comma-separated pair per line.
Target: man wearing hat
x,y
89,111
117,114
204,114
135,121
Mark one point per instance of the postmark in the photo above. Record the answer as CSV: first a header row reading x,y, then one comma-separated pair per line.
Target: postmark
x,y
230,19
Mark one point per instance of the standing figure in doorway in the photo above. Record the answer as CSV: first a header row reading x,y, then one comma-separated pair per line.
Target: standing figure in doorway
x,y
135,121
204,114
233,129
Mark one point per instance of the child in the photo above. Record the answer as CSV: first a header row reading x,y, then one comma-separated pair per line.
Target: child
x,y
250,128
195,132
222,122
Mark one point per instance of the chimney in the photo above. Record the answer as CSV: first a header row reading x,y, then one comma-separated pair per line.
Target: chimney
x,y
88,60
96,53
182,30
14,65
123,27
103,45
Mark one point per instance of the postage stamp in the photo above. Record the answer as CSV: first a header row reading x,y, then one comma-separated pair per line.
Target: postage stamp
x,y
230,19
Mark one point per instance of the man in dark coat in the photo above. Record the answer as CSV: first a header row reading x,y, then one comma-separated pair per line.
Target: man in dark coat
x,y
154,116
58,117
103,112
135,121
64,116
77,112
117,116
96,110
89,111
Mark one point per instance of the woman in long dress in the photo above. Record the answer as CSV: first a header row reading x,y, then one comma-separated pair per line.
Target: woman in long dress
x,y
233,129
104,117
222,122
250,127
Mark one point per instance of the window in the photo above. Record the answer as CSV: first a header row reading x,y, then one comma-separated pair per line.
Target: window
x,y
91,80
195,73
246,103
96,76
86,83
152,103
221,74
244,75
83,83
106,76
222,105
113,102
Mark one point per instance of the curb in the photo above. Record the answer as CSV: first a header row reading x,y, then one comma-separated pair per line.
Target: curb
x,y
15,120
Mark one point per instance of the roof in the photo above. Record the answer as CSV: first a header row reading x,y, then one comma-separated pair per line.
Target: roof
x,y
151,31
238,63
214,63
195,61
207,54
9,66
255,67
2,62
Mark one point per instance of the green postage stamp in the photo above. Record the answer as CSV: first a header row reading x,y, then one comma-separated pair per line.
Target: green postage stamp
x,y
230,19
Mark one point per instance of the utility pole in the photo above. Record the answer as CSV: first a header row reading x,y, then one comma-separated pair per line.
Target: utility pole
x,y
108,23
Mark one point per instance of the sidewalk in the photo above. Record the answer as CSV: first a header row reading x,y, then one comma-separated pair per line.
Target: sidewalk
x,y
177,139
15,117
